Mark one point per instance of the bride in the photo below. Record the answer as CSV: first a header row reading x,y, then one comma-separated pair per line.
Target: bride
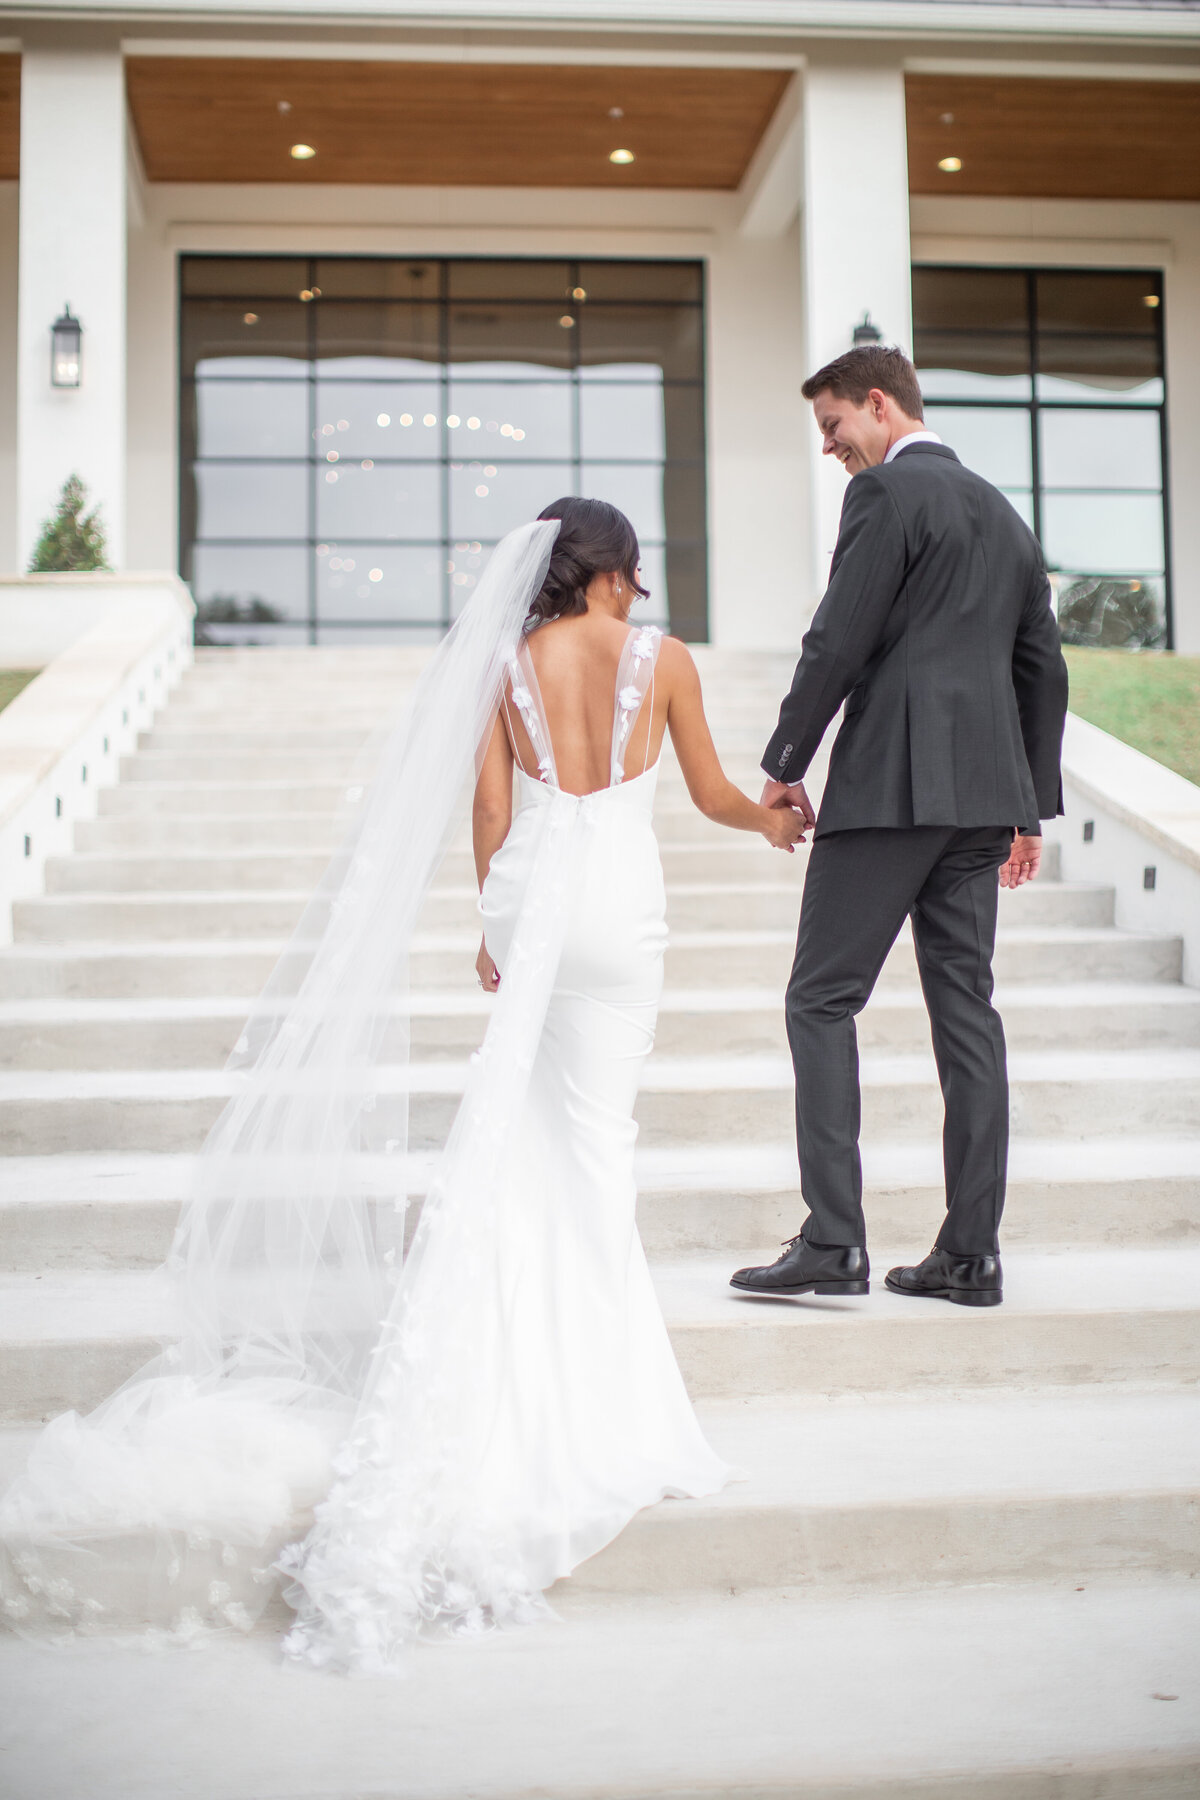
x,y
520,1401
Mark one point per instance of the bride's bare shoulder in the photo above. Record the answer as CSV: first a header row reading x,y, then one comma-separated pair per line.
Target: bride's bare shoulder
x,y
676,662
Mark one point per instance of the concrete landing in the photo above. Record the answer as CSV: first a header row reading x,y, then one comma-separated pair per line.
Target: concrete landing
x,y
1030,1693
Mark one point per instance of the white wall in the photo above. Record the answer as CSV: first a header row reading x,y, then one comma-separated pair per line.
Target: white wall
x,y
1106,234
72,251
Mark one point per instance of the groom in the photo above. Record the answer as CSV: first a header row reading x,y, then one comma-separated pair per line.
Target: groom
x,y
937,634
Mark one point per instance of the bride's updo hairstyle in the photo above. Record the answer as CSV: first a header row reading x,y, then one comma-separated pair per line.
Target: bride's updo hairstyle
x,y
593,539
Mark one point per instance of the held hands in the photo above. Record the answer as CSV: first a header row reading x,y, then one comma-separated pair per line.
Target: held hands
x,y
488,973
1024,861
779,794
789,815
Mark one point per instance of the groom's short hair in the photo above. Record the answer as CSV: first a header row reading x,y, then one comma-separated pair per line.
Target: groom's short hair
x,y
853,375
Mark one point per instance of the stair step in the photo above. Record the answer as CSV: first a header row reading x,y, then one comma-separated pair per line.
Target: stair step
x,y
1087,1317
685,1099
985,1487
200,1033
659,1699
239,964
107,1210
242,909
959,1488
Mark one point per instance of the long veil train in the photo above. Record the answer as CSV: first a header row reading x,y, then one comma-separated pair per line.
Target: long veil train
x,y
171,1502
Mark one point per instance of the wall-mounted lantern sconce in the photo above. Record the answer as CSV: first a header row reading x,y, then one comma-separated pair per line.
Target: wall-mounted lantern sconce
x,y
66,351
866,333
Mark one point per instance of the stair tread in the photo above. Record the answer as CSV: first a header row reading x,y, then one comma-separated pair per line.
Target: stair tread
x,y
705,1690
459,1002
664,1074
806,1453
90,1305
116,1179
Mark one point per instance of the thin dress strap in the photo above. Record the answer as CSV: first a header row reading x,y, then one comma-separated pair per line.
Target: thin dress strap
x,y
635,679
526,696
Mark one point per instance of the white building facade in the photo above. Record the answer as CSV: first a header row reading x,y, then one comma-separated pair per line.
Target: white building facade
x,y
1011,191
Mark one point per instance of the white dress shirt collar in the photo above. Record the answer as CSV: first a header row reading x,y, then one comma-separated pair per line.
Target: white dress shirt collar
x,y
913,437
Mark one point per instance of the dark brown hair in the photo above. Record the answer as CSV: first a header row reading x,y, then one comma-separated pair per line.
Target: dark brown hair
x,y
593,539
852,376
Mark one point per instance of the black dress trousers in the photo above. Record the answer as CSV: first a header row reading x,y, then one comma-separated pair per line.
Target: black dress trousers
x,y
860,887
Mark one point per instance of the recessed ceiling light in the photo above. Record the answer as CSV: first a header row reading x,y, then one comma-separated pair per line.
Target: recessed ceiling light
x,y
579,293
252,318
566,321
620,156
950,165
302,152
1149,299
616,112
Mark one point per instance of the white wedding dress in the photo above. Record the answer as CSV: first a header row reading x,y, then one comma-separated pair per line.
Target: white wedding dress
x,y
520,1400
459,1504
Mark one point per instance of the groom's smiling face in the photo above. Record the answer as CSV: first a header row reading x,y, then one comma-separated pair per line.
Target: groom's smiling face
x,y
859,436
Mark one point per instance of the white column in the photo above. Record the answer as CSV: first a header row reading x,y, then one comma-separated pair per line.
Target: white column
x,y
855,237
72,252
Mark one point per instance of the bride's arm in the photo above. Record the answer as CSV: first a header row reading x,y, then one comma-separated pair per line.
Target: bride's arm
x,y
707,783
491,814
491,818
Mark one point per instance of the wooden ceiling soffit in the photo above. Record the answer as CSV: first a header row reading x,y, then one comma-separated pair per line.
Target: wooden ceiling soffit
x,y
10,117
222,119
1081,140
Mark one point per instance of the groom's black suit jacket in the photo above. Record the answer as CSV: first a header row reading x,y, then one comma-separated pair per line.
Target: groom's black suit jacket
x,y
936,630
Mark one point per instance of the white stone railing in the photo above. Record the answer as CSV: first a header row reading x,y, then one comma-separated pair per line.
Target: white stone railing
x,y
1135,824
110,648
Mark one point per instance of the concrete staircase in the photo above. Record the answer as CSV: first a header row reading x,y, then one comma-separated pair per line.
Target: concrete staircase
x,y
899,1454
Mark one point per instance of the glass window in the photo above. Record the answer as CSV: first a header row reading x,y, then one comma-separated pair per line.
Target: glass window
x,y
358,431
384,582
248,418
512,419
642,281
245,337
385,338
1094,449
645,342
376,278
379,500
251,500
1070,363
245,276
622,419
381,419
971,333
509,339
1098,334
636,488
518,280
1117,534
487,499
992,440
251,579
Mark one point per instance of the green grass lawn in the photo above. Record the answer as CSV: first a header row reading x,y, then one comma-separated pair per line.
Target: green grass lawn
x,y
1150,699
12,681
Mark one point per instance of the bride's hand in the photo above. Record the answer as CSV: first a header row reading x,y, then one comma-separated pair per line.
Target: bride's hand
x,y
783,827
488,973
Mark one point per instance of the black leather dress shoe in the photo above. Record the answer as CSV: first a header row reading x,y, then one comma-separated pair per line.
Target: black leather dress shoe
x,y
809,1269
966,1280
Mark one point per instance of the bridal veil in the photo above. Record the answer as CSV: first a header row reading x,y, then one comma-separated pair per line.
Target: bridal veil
x,y
171,1502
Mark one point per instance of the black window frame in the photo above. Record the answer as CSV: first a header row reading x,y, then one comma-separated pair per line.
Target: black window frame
x,y
1035,405
688,620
